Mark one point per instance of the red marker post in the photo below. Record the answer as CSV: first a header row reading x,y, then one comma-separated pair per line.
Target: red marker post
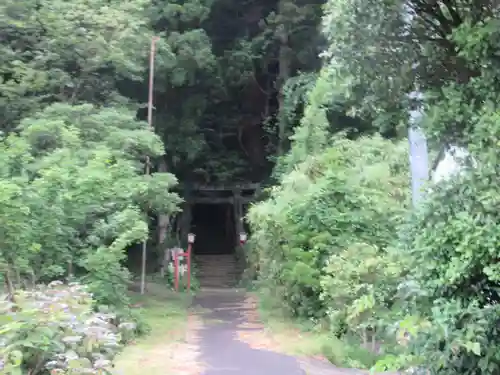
x,y
243,238
187,254
191,238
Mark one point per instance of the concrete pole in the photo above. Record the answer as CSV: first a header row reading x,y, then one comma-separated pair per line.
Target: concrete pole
x,y
419,157
148,162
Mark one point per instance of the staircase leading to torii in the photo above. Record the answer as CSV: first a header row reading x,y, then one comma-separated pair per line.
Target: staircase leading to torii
x,y
218,270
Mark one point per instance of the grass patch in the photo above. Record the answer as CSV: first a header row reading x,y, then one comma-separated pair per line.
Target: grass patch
x,y
166,313
304,339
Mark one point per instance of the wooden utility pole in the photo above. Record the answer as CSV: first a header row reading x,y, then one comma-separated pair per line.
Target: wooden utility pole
x,y
148,161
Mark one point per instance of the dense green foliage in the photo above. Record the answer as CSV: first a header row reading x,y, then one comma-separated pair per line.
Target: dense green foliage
x,y
68,51
320,241
326,204
334,246
238,87
452,286
73,196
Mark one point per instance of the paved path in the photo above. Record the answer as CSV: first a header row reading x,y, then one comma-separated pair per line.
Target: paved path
x,y
227,318
222,352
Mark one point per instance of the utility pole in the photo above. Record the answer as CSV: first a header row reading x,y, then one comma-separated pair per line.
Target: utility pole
x,y
148,161
419,158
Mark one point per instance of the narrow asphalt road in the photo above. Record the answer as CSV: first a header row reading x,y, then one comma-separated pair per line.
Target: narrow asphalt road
x,y
222,352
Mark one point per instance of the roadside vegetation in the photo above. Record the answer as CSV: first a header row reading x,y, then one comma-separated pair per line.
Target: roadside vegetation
x,y
164,346
304,340
336,241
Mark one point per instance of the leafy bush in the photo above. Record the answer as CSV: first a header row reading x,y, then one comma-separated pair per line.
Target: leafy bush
x,y
430,288
74,196
54,329
353,192
453,285
358,286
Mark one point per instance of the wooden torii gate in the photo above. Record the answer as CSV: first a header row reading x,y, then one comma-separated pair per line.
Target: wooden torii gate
x,y
237,195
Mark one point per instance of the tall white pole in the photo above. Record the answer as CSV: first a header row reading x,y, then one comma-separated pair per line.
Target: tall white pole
x,y
419,158
150,122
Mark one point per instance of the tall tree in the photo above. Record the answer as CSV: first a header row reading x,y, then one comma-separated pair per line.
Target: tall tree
x,y
68,52
381,51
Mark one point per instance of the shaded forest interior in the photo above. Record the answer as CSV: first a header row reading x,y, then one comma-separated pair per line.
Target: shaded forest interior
x,y
219,110
222,111
214,227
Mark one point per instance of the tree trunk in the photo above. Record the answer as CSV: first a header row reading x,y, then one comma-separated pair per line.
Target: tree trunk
x,y
162,228
9,285
285,67
19,280
70,270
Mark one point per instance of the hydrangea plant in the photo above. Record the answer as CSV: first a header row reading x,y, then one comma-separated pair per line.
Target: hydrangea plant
x,y
54,329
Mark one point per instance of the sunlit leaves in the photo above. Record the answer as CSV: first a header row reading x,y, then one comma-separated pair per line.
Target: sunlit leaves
x,y
83,197
337,197
453,246
68,51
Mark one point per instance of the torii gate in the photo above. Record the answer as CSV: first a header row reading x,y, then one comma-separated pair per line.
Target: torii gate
x,y
236,195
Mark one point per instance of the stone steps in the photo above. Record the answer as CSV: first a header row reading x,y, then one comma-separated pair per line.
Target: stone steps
x,y
217,270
